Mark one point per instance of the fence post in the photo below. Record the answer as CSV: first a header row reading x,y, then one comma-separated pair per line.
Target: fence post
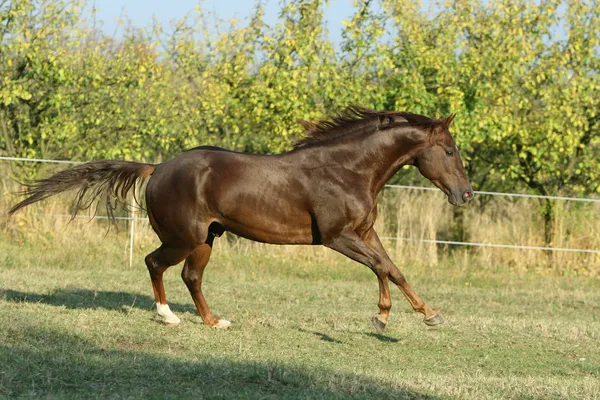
x,y
132,227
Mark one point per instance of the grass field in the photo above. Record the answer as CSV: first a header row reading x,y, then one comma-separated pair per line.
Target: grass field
x,y
78,322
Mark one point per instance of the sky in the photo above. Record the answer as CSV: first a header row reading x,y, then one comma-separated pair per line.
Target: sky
x,y
141,11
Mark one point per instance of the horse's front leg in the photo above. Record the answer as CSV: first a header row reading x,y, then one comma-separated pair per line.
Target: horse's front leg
x,y
431,317
369,251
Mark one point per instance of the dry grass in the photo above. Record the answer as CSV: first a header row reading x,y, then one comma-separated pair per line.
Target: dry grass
x,y
426,215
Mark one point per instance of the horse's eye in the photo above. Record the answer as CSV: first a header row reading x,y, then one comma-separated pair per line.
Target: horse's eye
x,y
449,152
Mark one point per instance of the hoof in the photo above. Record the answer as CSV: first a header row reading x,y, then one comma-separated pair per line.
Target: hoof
x,y
165,312
435,320
378,324
171,319
171,322
222,324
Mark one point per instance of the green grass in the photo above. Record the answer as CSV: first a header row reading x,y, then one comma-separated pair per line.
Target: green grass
x,y
77,322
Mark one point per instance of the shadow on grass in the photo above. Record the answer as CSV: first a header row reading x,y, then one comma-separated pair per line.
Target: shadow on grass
x,y
91,299
378,336
382,338
54,364
324,337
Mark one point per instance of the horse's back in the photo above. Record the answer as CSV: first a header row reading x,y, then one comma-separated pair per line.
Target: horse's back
x,y
255,196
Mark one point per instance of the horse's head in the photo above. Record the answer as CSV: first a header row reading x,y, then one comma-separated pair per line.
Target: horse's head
x,y
440,162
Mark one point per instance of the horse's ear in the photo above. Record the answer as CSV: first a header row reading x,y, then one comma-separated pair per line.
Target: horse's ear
x,y
449,120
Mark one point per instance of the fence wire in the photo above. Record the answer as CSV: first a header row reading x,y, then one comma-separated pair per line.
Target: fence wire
x,y
530,196
506,246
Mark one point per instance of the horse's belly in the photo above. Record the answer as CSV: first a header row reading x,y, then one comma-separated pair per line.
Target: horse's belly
x,y
272,236
269,224
260,201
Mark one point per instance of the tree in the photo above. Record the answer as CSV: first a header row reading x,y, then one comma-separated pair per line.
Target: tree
x,y
521,75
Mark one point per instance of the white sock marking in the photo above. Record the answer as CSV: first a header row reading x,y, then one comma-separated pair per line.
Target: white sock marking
x,y
164,311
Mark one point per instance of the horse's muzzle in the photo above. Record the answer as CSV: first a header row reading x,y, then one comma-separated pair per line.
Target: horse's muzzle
x,y
458,199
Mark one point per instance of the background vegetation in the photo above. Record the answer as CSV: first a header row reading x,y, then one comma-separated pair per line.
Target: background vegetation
x,y
522,77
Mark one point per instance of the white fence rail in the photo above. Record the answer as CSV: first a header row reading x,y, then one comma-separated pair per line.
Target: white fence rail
x,y
133,218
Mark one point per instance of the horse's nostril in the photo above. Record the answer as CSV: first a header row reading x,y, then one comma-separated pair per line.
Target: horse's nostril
x,y
468,195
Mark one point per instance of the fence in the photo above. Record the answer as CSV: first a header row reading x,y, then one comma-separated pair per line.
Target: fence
x,y
132,218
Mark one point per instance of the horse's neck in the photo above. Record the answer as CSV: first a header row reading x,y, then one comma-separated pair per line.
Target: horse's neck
x,y
379,155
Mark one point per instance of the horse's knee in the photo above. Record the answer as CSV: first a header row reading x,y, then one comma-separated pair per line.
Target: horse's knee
x,y
396,276
380,269
191,277
386,270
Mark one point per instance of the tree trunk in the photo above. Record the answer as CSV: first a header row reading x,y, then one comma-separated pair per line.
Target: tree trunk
x,y
459,232
548,215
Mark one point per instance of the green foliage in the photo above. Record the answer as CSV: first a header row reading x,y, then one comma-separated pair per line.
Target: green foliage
x,y
522,77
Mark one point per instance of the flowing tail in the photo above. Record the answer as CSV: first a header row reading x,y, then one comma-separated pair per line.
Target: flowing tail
x,y
111,179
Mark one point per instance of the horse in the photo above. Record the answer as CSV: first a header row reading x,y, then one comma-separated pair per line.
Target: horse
x,y
322,192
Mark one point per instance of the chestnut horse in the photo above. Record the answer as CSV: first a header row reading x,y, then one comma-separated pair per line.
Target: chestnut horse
x,y
323,192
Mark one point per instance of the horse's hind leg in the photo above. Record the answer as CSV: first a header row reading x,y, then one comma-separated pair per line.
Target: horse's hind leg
x,y
157,262
192,276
